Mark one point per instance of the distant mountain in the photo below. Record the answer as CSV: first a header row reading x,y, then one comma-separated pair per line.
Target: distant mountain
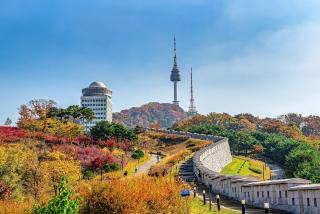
x,y
163,113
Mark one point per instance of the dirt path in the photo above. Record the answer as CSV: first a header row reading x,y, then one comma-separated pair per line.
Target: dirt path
x,y
144,168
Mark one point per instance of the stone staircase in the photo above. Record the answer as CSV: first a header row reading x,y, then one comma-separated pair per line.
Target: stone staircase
x,y
186,171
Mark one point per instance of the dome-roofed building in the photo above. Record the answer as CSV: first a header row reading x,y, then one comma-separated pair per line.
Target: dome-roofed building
x,y
98,98
97,85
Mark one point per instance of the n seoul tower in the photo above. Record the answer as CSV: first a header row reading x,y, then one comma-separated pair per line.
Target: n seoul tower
x,y
175,75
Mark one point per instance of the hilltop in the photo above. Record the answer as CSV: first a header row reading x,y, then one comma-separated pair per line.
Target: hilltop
x,y
151,113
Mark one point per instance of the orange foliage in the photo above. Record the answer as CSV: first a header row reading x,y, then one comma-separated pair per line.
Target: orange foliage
x,y
15,207
135,195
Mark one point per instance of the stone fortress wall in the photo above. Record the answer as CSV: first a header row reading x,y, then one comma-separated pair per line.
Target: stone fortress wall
x,y
294,195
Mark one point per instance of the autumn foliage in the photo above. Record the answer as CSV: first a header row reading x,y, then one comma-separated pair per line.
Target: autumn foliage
x,y
136,195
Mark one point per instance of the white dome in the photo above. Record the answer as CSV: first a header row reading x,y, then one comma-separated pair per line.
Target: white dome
x,y
97,85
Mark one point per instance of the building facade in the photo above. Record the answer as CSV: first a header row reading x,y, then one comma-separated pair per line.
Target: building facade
x,y
98,98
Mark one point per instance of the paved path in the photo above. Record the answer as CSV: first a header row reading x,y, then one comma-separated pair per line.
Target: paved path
x,y
186,173
144,168
277,172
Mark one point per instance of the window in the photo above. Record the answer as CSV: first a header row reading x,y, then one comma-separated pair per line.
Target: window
x,y
286,193
315,202
268,194
258,194
308,202
262,194
293,201
279,194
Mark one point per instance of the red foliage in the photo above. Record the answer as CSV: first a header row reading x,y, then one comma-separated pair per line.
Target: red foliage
x,y
51,139
87,155
12,134
98,162
84,140
110,159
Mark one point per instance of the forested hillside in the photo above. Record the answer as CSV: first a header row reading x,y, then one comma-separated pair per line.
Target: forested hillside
x,y
267,138
164,114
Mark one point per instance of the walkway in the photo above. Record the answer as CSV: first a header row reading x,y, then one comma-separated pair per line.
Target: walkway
x,y
144,168
186,173
277,172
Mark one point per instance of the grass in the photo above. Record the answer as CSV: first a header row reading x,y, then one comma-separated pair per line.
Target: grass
x,y
197,207
246,167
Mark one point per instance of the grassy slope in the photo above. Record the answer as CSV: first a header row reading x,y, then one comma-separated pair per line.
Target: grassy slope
x,y
197,207
240,166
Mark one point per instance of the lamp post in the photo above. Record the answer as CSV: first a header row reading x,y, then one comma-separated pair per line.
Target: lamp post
x,y
204,197
243,203
266,208
218,202
122,161
194,192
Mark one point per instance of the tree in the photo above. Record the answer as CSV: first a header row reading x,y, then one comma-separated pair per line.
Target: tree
x,y
72,113
35,109
12,161
53,170
61,203
32,178
105,130
98,164
8,122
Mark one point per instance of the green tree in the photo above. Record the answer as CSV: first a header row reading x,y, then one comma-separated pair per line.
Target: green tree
x,y
8,122
105,130
61,203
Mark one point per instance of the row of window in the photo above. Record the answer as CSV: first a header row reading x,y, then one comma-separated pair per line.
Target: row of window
x,y
97,118
93,104
94,100
99,109
100,118
315,204
100,113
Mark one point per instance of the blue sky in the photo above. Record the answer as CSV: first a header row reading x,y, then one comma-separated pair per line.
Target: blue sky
x,y
258,56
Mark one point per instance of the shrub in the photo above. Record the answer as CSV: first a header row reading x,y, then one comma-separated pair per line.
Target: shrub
x,y
135,195
61,203
106,168
114,167
88,174
255,169
137,154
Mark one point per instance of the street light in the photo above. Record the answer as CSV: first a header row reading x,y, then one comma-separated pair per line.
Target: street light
x,y
218,202
266,208
194,192
204,197
243,203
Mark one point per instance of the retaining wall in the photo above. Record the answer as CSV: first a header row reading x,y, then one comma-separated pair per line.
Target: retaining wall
x,y
294,195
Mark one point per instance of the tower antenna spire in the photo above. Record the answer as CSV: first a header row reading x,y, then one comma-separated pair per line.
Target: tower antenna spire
x,y
192,108
175,51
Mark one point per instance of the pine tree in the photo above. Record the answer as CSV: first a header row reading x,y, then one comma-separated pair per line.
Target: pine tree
x,y
8,122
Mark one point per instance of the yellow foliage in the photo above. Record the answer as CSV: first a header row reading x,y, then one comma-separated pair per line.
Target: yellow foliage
x,y
117,152
54,126
56,155
53,170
